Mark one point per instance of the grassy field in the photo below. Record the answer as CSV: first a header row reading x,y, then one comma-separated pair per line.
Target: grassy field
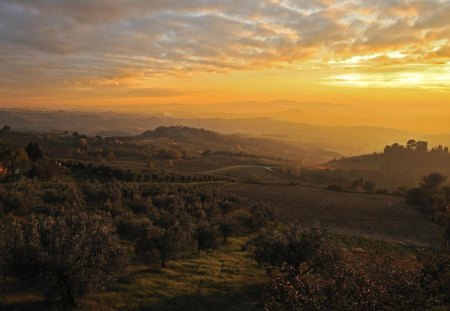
x,y
225,279
375,216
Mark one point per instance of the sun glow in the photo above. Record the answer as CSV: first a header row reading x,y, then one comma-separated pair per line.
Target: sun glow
x,y
121,55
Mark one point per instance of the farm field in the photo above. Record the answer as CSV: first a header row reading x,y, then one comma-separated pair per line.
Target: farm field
x,y
375,216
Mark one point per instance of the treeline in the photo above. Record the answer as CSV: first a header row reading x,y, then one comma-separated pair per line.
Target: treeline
x,y
105,171
335,180
362,185
414,146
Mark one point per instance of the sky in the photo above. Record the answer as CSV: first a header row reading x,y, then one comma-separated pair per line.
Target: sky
x,y
387,61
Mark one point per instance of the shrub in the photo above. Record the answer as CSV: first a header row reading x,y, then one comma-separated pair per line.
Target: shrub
x,y
292,246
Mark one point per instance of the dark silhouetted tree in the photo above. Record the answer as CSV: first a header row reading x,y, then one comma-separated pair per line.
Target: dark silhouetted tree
x,y
34,151
432,181
206,236
6,129
411,144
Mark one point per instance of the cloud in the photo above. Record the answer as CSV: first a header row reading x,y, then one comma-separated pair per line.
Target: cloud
x,y
62,41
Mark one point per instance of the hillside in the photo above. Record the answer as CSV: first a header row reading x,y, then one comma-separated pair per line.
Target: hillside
x,y
162,188
200,140
398,165
379,217
339,139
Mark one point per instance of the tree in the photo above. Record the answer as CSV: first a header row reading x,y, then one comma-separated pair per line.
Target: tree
x,y
411,144
293,246
338,287
70,255
34,151
309,273
6,129
356,185
206,236
262,215
369,187
15,160
432,181
227,227
167,241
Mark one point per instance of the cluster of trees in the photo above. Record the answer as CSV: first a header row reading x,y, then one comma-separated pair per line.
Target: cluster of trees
x,y
320,176
414,146
69,255
310,271
163,221
20,160
360,185
175,154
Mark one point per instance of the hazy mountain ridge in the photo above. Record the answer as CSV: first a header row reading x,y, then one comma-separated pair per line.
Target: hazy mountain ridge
x,y
201,139
343,140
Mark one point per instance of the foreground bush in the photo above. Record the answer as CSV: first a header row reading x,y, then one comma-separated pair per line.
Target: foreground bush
x,y
292,246
69,256
310,272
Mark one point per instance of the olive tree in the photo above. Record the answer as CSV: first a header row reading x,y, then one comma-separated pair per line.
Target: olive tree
x,y
69,256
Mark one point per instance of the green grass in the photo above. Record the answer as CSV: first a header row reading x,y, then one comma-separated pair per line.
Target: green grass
x,y
224,279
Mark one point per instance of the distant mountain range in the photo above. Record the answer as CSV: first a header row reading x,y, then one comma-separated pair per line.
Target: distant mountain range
x,y
337,139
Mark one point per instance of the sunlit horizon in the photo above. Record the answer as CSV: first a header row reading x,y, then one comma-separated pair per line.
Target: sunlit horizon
x,y
387,62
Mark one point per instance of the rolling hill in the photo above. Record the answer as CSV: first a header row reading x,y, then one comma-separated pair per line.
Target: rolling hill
x,y
338,139
199,140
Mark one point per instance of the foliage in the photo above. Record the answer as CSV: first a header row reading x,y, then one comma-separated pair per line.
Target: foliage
x,y
15,160
341,287
311,274
291,246
436,200
432,181
167,240
34,151
206,236
70,255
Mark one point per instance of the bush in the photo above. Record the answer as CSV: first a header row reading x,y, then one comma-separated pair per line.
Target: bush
x,y
292,246
70,255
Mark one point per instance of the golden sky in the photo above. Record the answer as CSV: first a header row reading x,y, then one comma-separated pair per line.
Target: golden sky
x,y
387,61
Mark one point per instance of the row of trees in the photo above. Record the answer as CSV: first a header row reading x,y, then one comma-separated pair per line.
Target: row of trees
x,y
413,145
104,171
